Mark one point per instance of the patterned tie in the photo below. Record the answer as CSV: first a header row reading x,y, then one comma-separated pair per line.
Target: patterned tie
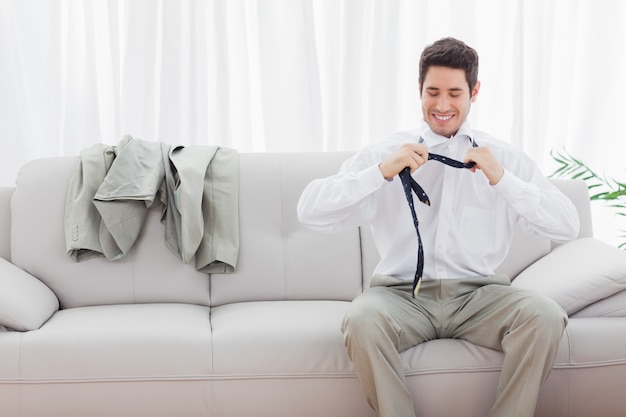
x,y
408,183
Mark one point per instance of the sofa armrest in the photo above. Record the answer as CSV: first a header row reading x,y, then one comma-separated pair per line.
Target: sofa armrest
x,y
578,193
25,302
5,221
577,274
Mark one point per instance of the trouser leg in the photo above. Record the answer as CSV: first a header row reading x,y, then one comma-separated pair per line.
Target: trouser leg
x,y
380,323
383,321
526,326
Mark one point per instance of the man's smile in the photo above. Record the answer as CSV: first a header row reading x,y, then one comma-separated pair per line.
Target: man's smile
x,y
443,117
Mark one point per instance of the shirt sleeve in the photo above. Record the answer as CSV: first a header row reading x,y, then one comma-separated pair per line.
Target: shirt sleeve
x,y
341,201
543,208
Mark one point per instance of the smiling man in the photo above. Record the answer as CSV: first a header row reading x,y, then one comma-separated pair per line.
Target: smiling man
x,y
436,275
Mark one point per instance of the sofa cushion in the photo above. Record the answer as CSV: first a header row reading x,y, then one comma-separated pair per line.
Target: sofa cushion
x,y
525,249
115,360
577,274
613,306
279,258
147,342
25,302
278,338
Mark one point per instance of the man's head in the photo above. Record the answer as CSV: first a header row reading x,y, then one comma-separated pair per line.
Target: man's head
x,y
448,82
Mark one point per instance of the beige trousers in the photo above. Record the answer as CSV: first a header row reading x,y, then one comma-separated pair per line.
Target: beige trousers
x,y
485,311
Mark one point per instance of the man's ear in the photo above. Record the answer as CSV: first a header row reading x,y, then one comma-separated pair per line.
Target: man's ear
x,y
475,91
419,86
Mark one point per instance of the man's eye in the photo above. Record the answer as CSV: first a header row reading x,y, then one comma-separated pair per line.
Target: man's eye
x,y
433,94
455,95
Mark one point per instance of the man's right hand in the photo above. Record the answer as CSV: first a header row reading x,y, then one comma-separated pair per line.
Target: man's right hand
x,y
412,155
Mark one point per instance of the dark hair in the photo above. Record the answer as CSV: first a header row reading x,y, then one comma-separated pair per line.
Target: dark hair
x,y
451,53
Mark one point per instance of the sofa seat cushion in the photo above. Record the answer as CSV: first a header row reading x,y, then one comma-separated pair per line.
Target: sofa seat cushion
x,y
596,366
589,360
118,342
279,338
293,347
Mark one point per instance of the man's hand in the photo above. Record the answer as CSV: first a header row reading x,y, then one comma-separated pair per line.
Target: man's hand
x,y
486,162
412,155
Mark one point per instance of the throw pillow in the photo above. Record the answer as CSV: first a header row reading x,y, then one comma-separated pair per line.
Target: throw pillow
x,y
25,302
577,274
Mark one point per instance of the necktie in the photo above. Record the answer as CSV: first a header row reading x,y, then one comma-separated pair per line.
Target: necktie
x,y
408,183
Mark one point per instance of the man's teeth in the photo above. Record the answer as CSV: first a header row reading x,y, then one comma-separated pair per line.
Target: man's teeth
x,y
443,118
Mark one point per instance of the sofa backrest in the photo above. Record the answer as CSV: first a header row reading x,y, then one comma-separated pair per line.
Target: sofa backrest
x,y
279,259
150,273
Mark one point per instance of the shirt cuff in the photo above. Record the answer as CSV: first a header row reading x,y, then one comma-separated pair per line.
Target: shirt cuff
x,y
373,176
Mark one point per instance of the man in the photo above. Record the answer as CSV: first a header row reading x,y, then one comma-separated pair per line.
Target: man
x,y
465,234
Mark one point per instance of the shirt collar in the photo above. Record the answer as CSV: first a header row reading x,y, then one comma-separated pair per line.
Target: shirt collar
x,y
432,139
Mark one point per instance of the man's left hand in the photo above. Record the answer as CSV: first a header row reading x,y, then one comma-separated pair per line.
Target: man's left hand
x,y
486,162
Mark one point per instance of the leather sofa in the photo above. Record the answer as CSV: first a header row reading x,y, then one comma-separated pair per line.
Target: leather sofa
x,y
148,335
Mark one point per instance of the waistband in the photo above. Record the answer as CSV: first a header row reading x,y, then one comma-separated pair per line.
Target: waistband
x,y
441,288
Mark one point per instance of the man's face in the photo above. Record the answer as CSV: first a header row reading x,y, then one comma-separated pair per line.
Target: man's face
x,y
446,99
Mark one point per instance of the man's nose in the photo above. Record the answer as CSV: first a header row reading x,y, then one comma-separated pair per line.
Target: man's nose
x,y
443,103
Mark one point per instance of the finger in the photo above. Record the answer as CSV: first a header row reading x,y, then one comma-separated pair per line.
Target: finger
x,y
470,156
420,159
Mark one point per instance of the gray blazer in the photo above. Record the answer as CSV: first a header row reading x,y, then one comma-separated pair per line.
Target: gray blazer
x,y
113,187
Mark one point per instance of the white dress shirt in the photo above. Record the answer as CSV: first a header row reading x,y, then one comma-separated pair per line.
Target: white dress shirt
x,y
467,229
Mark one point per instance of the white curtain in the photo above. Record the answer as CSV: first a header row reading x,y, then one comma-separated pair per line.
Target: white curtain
x,y
303,75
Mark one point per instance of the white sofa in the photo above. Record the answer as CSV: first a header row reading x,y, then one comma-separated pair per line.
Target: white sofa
x,y
150,336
